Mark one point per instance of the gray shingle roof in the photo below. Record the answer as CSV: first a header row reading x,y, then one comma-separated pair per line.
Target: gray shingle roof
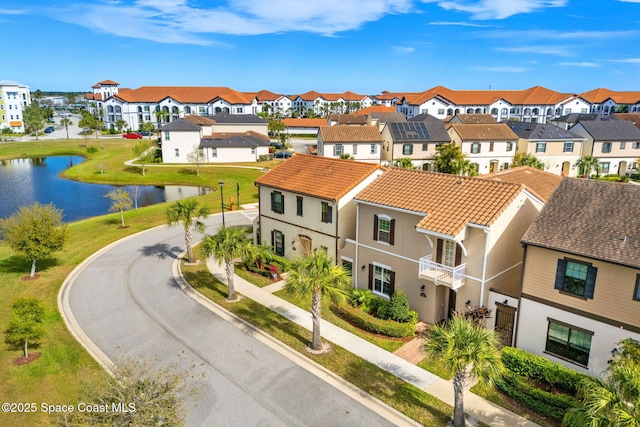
x,y
180,125
616,130
540,131
233,140
595,219
435,126
388,117
582,117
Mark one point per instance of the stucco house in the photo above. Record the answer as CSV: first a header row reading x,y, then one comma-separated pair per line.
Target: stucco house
x,y
306,204
445,240
415,139
581,278
557,148
490,147
302,127
362,143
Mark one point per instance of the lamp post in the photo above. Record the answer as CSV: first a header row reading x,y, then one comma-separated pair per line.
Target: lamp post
x,y
221,184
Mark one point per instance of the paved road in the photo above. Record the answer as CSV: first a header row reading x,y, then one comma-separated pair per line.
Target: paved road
x,y
128,303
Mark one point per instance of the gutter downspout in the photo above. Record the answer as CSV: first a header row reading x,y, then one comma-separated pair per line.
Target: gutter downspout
x,y
518,310
484,264
356,267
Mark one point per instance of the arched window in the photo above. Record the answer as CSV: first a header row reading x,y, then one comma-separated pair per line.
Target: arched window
x,y
218,110
504,112
469,110
450,112
535,111
494,111
139,109
478,110
549,111
187,110
110,109
457,111
527,111
118,109
175,110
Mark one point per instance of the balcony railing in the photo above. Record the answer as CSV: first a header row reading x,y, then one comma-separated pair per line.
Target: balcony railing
x,y
440,274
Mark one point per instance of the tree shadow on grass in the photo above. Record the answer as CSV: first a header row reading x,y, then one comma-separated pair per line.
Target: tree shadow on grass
x,y
185,171
133,169
161,250
113,220
20,264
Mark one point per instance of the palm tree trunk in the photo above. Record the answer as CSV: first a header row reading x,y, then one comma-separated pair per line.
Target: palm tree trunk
x,y
230,273
33,268
122,216
187,241
459,381
316,310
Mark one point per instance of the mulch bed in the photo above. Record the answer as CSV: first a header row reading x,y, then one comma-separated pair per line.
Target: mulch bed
x,y
27,278
26,360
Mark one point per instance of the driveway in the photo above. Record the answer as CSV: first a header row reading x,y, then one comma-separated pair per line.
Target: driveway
x,y
128,304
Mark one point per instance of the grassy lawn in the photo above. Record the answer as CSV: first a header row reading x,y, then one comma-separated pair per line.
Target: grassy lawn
x,y
404,397
55,377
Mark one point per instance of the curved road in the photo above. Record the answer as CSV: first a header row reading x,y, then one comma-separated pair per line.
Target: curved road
x,y
125,303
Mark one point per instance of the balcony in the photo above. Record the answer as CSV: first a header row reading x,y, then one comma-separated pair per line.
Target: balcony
x,y
440,274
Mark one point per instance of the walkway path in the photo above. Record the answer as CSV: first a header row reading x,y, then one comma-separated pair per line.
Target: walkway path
x,y
475,406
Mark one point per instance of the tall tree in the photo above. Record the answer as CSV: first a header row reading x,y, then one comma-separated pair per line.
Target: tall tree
x,y
465,350
196,158
148,127
450,159
120,202
226,245
527,159
36,231
144,153
190,212
162,116
316,274
25,323
33,118
613,401
588,164
120,124
66,123
404,162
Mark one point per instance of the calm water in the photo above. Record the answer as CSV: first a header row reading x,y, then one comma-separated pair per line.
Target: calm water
x,y
25,181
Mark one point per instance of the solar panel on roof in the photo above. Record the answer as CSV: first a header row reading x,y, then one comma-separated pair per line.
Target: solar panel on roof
x,y
409,130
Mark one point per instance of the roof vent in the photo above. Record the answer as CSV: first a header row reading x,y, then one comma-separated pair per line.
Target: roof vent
x,y
623,238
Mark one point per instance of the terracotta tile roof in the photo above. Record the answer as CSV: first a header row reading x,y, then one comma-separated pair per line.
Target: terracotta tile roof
x,y
600,95
199,120
540,183
304,123
348,119
318,176
484,132
185,94
595,219
536,95
107,83
375,109
448,202
630,117
346,134
264,95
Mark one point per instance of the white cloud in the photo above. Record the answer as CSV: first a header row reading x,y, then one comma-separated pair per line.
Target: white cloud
x,y
580,64
557,35
462,24
539,49
496,9
402,50
630,1
13,11
501,69
628,60
185,21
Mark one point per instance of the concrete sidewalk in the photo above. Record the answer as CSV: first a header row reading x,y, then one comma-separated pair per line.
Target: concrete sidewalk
x,y
475,406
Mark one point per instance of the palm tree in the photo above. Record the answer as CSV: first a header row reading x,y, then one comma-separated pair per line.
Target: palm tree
x,y
588,164
527,159
226,245
186,211
404,162
317,275
120,124
465,350
66,123
612,401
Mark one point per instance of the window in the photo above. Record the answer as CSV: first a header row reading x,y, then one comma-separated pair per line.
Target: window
x,y
299,205
509,146
177,151
567,110
253,150
166,136
576,278
635,145
347,265
568,147
381,279
277,241
424,111
327,213
373,149
407,149
568,342
541,147
338,149
583,110
475,148
606,147
239,110
604,167
214,152
355,149
383,229
623,145
491,146
440,111
425,146
636,291
277,202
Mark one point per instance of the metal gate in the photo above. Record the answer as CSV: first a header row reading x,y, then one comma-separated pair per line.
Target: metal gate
x,y
505,317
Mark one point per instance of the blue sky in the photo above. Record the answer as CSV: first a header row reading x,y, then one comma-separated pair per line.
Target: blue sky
x,y
293,46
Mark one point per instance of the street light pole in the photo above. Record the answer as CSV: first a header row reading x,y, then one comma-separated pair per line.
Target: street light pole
x,y
221,184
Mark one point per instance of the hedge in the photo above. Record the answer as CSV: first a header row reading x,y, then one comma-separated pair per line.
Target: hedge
x,y
562,401
538,368
532,403
365,321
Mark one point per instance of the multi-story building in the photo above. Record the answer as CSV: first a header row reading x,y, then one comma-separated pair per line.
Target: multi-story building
x,y
489,147
14,97
359,142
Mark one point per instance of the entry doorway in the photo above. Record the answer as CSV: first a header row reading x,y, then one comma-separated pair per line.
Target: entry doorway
x,y
505,318
452,303
305,244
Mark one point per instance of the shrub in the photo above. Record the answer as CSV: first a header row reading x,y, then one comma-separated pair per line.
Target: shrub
x,y
381,309
562,401
535,405
362,298
365,321
399,309
538,368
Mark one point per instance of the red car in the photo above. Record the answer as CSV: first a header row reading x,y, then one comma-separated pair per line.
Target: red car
x,y
132,135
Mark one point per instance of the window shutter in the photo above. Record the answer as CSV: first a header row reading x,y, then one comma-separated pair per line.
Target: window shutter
x,y
375,227
282,205
370,276
273,240
591,282
560,272
392,228
329,214
439,251
458,256
273,203
392,282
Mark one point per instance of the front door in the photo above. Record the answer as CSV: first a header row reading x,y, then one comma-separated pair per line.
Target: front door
x,y
452,303
505,316
305,245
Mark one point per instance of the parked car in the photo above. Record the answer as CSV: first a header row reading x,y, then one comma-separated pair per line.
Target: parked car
x,y
49,129
282,154
145,133
276,145
132,135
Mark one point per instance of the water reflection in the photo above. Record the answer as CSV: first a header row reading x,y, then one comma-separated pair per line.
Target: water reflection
x,y
25,181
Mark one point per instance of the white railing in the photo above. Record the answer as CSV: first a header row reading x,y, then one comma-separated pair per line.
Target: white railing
x,y
441,274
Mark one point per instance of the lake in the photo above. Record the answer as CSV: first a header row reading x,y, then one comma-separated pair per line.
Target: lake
x,y
25,181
